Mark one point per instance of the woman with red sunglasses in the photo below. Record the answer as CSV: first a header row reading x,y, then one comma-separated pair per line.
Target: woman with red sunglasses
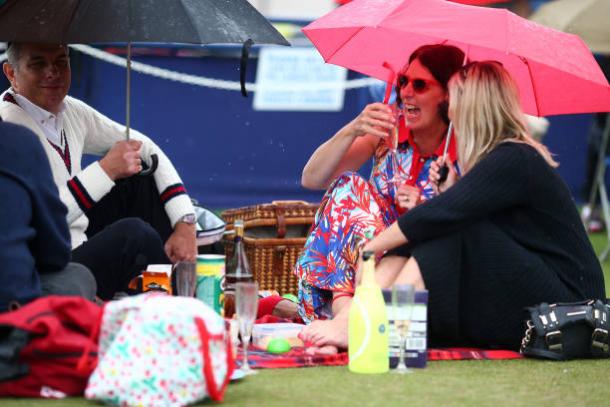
x,y
353,206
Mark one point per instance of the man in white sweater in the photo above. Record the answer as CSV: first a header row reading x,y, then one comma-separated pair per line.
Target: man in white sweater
x,y
107,190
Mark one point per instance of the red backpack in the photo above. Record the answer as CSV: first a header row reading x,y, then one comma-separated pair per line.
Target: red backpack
x,y
41,344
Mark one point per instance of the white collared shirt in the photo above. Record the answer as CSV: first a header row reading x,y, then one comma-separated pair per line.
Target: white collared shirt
x,y
51,124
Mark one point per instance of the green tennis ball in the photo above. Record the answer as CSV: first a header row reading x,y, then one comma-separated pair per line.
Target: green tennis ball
x,y
278,345
290,297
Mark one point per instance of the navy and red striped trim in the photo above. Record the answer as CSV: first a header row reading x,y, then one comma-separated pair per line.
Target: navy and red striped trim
x,y
80,194
171,192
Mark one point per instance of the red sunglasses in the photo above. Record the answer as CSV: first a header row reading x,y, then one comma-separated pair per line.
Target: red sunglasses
x,y
419,85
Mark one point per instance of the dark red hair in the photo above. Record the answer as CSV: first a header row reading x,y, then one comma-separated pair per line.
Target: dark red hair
x,y
442,61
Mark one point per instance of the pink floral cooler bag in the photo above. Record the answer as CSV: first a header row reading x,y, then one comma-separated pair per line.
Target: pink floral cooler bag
x,y
157,350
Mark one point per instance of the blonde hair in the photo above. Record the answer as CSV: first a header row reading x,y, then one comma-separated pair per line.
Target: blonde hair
x,y
484,100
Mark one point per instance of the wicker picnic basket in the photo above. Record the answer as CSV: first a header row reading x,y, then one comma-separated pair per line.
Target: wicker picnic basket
x,y
274,236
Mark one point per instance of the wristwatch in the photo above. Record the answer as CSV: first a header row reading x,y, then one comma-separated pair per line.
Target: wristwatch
x,y
189,219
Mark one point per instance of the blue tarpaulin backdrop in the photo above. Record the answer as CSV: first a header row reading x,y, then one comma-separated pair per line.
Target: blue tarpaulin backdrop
x,y
230,155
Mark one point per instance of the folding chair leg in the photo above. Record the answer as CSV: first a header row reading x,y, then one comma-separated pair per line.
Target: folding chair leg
x,y
600,184
606,212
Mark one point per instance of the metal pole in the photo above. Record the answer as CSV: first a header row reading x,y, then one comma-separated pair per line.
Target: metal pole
x,y
600,182
128,93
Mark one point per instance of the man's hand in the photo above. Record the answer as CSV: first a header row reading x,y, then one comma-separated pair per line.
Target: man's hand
x,y
182,244
122,160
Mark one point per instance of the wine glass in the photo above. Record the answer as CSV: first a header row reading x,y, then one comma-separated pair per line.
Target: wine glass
x,y
403,298
246,304
185,278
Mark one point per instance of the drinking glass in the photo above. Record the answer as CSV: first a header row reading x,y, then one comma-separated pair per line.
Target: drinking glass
x,y
403,298
399,175
185,278
246,304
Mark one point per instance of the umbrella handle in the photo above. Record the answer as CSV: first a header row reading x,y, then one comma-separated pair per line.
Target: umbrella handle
x,y
443,173
153,166
444,170
245,52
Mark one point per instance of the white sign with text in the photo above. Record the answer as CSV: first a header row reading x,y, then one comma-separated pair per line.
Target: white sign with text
x,y
297,79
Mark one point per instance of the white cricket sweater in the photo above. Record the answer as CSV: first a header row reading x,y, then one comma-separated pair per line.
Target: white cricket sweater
x,y
87,131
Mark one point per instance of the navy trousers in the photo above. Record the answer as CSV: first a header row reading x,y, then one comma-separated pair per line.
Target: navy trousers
x,y
126,232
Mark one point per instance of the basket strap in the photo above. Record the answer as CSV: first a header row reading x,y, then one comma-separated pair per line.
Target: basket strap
x,y
278,259
281,221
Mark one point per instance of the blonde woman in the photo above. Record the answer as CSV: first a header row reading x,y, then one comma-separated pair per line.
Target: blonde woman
x,y
506,235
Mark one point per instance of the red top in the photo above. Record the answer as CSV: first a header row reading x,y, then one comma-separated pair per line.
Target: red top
x,y
418,159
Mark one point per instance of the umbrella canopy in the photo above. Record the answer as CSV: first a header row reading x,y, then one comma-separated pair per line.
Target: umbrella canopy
x,y
480,2
589,19
95,21
555,71
472,2
91,21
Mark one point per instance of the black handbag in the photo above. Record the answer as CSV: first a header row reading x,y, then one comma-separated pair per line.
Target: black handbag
x,y
566,331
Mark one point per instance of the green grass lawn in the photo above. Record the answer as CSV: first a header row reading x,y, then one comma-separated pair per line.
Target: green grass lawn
x,y
456,383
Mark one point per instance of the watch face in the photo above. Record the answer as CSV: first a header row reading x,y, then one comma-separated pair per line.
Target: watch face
x,y
190,219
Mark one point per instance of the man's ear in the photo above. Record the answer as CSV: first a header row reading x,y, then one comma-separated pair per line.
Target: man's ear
x,y
9,72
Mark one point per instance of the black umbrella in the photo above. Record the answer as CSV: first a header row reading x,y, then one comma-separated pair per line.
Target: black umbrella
x,y
99,21
91,21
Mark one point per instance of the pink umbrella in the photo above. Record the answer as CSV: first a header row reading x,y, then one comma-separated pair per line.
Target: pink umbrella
x,y
472,2
480,2
555,71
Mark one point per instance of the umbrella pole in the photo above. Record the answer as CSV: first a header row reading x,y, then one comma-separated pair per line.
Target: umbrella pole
x,y
447,140
128,92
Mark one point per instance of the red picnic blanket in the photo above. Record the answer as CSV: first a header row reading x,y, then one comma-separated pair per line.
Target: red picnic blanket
x,y
297,357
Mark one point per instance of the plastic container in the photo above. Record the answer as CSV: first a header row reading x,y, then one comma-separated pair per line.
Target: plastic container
x,y
262,334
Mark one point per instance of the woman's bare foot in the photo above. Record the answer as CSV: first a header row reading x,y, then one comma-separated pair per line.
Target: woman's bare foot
x,y
322,350
328,332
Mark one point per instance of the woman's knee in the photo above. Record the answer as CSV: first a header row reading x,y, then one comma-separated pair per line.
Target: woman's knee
x,y
388,269
348,178
411,274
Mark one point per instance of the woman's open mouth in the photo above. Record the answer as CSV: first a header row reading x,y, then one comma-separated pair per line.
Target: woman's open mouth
x,y
412,112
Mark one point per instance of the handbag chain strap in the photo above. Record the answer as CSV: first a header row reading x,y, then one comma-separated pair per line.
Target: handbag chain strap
x,y
527,338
